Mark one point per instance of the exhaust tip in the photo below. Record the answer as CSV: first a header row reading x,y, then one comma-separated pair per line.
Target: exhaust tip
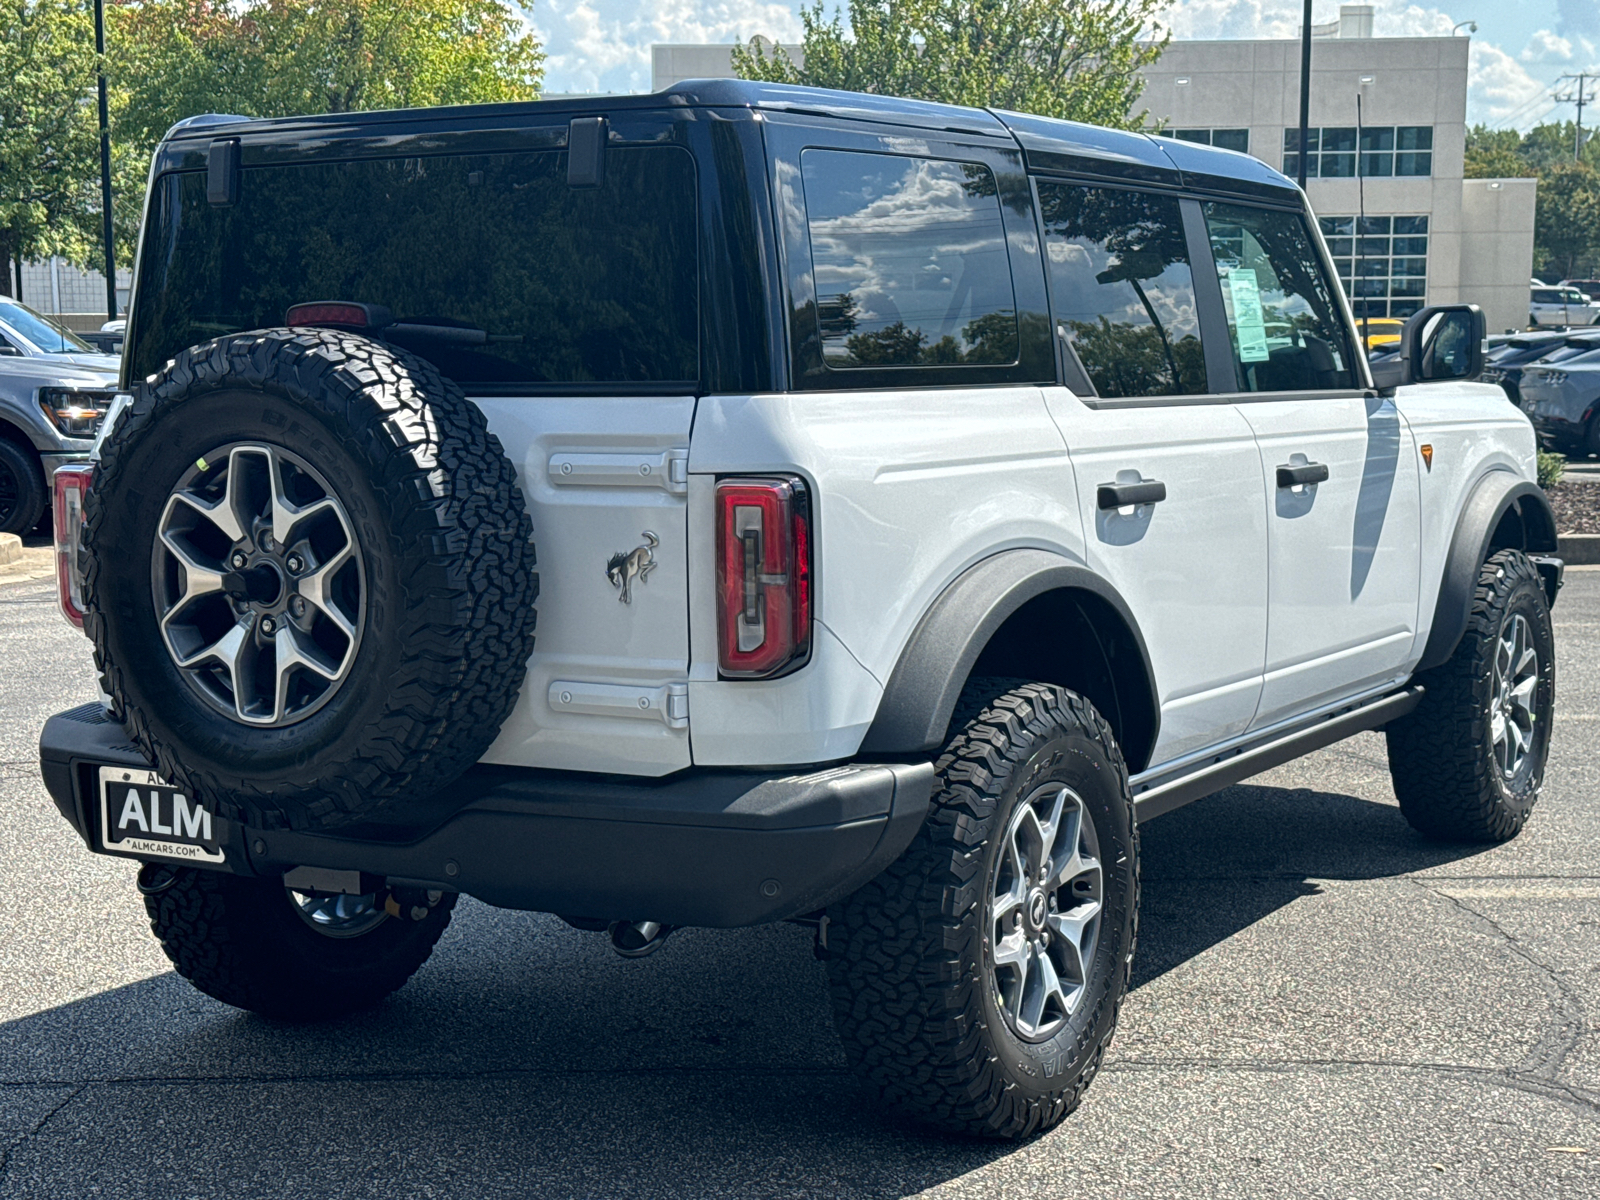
x,y
635,939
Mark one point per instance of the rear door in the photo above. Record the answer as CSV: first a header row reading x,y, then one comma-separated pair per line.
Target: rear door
x,y
1192,565
1339,469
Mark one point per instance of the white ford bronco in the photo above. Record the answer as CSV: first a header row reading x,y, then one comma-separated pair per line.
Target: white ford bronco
x,y
922,497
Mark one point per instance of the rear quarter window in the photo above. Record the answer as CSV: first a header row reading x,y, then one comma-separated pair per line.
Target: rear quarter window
x,y
554,284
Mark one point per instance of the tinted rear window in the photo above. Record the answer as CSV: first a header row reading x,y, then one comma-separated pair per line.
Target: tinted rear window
x,y
567,285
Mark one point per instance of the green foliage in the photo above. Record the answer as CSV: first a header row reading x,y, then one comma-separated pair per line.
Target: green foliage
x,y
49,139
1079,61
1566,240
1551,468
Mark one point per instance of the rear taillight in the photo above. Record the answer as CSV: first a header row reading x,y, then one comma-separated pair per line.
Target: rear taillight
x,y
72,484
763,576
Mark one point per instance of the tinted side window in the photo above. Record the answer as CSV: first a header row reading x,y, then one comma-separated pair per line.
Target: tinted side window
x,y
909,258
550,284
1284,324
1121,288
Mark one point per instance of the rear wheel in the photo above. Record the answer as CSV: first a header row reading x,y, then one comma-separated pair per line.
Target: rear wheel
x,y
22,489
1468,761
256,945
976,983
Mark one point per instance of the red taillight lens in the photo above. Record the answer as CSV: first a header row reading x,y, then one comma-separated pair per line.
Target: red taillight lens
x,y
763,576
71,486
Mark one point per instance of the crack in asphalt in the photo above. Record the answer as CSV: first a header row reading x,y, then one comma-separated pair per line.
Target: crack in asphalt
x,y
28,1135
1567,1025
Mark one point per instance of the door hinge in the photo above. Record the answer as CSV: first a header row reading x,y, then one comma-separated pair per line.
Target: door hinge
x,y
667,470
668,703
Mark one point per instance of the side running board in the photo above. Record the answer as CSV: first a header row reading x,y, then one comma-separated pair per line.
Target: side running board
x,y
1211,777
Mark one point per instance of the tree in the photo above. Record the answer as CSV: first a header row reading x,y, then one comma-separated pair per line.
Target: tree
x,y
1077,60
49,141
172,59
1496,154
1566,230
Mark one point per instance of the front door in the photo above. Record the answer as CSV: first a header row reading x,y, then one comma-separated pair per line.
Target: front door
x,y
1338,467
1188,548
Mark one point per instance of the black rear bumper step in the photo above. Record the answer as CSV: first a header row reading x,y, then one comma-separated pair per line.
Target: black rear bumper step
x,y
703,847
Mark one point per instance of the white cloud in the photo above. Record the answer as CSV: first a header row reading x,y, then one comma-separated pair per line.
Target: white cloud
x,y
604,45
1499,88
1544,47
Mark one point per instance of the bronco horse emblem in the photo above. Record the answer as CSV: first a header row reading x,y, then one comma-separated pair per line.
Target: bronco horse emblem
x,y
623,568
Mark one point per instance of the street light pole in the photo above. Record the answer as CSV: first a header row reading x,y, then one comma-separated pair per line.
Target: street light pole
x,y
1305,93
105,161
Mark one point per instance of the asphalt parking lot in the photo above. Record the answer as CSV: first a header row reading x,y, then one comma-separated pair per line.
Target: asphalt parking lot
x,y
1324,1005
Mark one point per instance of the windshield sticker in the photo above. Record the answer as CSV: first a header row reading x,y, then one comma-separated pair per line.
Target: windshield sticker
x,y
1249,328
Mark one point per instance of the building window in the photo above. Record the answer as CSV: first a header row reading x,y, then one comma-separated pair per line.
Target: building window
x,y
1228,139
1383,265
1385,150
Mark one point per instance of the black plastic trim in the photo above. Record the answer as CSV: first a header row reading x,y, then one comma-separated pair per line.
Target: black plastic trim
x,y
715,848
1208,777
914,714
1492,497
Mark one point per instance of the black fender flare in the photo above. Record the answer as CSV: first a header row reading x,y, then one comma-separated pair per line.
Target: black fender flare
x,y
1492,497
914,714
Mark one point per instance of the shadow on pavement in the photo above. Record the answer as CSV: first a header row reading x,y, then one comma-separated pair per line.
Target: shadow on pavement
x,y
526,1060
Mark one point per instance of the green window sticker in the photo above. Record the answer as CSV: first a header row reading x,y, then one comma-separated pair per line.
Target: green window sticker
x,y
1249,327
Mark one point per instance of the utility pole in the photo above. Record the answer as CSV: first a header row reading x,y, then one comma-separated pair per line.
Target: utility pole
x,y
1579,97
105,161
1305,92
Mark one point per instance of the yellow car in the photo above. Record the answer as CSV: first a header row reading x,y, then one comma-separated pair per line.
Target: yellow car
x,y
1380,332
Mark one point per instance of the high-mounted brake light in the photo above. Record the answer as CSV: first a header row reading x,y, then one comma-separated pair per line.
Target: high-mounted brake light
x,y
71,484
338,312
763,576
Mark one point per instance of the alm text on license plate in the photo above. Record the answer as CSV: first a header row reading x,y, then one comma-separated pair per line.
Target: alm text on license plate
x,y
139,814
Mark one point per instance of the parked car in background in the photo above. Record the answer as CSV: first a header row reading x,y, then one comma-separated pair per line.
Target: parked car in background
x,y
1380,333
108,339
1561,306
1589,287
1504,362
1562,397
54,390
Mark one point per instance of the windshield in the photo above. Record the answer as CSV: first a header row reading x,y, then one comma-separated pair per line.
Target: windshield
x,y
40,332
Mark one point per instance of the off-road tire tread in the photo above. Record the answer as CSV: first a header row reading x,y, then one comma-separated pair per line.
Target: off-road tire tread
x,y
905,985
192,921
468,584
1438,762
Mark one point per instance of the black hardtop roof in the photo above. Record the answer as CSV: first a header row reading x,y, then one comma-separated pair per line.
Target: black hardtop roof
x,y
1048,144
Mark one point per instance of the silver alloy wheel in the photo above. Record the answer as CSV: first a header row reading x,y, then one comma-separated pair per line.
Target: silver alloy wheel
x,y
259,584
1044,911
338,916
1516,679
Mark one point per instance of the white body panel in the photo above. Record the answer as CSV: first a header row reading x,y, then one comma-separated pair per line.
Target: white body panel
x,y
1193,568
1473,431
598,473
1344,553
910,488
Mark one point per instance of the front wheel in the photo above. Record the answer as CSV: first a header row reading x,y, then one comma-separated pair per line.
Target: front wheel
x,y
1468,761
23,491
256,945
976,983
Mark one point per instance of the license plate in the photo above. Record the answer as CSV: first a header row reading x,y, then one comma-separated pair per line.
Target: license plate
x,y
140,814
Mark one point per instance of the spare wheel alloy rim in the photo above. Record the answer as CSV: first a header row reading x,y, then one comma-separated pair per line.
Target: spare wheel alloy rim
x,y
259,584
1045,903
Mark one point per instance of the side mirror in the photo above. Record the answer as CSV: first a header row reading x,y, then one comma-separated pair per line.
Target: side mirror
x,y
1442,342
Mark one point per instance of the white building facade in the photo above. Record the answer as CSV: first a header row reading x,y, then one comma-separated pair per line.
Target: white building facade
x,y
1429,235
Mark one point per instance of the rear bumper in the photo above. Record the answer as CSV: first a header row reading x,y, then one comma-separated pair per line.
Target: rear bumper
x,y
716,848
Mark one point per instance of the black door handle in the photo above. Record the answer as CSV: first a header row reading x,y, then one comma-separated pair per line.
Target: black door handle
x,y
1120,495
1302,474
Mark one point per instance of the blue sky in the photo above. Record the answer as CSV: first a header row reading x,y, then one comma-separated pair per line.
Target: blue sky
x,y
1518,52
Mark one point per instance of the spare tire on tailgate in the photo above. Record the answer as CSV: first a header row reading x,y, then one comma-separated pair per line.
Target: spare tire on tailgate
x,y
309,577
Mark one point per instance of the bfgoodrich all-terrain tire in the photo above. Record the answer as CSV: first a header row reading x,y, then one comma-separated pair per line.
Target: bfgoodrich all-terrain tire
x,y
1468,761
255,945
309,577
976,982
